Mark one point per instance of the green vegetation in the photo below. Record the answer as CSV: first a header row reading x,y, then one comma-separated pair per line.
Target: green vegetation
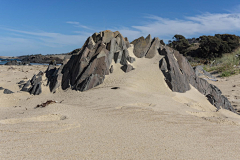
x,y
179,43
209,47
215,46
227,65
217,52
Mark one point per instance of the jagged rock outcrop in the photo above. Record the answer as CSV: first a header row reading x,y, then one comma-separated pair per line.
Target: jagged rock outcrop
x,y
178,73
54,77
153,48
200,72
174,77
141,46
33,86
88,68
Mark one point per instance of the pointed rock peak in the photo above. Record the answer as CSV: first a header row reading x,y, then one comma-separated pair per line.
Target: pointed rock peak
x,y
141,46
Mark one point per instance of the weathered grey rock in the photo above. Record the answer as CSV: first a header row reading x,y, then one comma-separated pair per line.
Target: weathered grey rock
x,y
176,80
130,59
111,69
107,36
88,68
21,82
153,48
127,42
124,57
200,72
54,76
7,91
27,86
141,46
33,86
127,68
179,74
118,56
36,89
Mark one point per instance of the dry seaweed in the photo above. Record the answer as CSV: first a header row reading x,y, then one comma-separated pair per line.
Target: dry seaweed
x,y
45,104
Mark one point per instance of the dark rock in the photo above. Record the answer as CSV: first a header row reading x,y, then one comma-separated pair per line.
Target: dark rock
x,y
55,79
124,57
33,86
179,74
127,68
13,62
175,78
53,62
130,59
36,89
154,48
199,71
38,58
1,88
111,69
7,91
21,82
141,46
27,87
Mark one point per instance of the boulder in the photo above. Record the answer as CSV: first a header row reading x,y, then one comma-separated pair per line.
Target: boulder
x,y
141,46
200,72
179,74
127,68
88,68
174,77
111,69
107,36
1,88
153,48
27,86
33,86
7,91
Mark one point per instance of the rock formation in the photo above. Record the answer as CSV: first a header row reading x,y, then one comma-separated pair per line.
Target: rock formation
x,y
33,86
88,67
141,46
179,74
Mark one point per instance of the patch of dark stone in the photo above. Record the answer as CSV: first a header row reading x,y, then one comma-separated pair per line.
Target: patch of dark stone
x,y
1,88
33,86
7,91
115,88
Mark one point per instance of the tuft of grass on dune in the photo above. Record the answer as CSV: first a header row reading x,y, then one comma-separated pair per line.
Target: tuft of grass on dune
x,y
227,65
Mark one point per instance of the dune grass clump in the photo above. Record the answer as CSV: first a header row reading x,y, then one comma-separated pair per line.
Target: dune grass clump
x,y
227,65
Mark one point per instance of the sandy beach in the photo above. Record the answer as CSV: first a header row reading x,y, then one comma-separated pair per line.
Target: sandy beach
x,y
130,116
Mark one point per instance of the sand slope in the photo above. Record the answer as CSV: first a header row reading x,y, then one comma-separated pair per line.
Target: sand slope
x,y
142,119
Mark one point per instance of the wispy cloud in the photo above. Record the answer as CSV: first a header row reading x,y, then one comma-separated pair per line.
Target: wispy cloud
x,y
77,24
188,26
164,28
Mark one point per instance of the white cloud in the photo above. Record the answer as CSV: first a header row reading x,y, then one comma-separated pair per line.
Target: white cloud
x,y
77,24
161,27
189,26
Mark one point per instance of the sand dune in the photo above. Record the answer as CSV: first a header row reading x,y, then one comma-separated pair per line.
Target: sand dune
x,y
130,116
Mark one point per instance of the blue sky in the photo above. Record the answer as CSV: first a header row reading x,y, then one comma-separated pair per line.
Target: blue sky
x,y
57,26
